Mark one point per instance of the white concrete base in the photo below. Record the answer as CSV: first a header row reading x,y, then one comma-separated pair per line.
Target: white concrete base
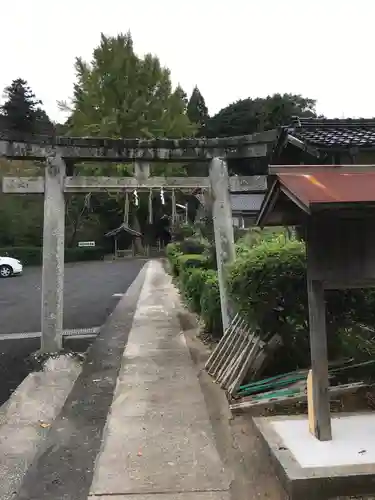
x,y
353,441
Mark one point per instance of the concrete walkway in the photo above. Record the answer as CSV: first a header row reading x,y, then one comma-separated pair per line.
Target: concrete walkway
x,y
158,441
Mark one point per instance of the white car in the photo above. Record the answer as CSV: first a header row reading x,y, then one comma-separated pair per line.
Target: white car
x,y
10,267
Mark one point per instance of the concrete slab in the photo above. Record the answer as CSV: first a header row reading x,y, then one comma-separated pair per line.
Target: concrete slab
x,y
26,418
317,470
353,441
215,495
158,436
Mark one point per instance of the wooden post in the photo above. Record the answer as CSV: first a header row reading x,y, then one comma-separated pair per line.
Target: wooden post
x,y
53,255
223,228
319,411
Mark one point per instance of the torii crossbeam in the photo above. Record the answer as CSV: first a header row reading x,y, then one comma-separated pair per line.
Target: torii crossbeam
x,y
57,151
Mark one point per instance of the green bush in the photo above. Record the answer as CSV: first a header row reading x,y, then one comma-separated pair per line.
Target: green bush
x,y
193,246
32,256
268,284
183,231
193,282
191,261
210,254
210,304
27,255
84,254
173,252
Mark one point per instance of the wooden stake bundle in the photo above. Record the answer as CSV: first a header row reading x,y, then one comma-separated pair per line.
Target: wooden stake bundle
x,y
240,353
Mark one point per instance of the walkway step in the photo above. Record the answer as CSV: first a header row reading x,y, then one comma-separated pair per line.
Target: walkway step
x,y
158,442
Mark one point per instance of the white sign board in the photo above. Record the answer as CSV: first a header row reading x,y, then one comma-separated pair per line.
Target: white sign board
x,y
86,243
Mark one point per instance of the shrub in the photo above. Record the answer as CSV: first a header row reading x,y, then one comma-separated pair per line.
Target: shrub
x,y
210,254
268,284
205,227
193,246
191,261
33,256
84,254
27,255
183,231
210,304
173,252
193,282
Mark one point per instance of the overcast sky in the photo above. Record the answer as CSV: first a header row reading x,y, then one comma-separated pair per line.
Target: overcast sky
x,y
231,49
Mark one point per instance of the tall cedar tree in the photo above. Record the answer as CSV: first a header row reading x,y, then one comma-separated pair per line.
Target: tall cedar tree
x,y
197,110
21,111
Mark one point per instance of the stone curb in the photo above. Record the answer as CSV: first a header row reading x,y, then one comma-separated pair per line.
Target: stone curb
x,y
27,416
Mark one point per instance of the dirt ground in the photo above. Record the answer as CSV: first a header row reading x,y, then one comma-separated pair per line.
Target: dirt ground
x,y
237,441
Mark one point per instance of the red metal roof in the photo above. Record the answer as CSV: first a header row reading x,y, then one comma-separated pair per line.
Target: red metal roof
x,y
330,187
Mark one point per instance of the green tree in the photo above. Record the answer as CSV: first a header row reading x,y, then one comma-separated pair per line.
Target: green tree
x,y
256,115
21,111
197,110
120,94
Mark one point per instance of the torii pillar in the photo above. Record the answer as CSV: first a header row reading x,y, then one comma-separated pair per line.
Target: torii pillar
x,y
53,254
223,228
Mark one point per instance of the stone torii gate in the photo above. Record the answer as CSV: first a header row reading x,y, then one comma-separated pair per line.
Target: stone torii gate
x,y
58,152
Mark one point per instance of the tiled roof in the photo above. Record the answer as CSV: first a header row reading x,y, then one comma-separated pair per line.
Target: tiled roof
x,y
334,133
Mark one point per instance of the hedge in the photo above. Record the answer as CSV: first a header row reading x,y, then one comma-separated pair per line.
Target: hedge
x,y
210,304
31,256
182,232
191,261
268,284
192,252
197,280
173,251
193,281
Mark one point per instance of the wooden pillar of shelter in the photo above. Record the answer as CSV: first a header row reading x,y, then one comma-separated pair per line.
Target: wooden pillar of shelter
x,y
318,381
223,229
53,255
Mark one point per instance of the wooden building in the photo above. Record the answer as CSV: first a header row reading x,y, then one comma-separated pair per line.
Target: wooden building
x,y
326,141
335,205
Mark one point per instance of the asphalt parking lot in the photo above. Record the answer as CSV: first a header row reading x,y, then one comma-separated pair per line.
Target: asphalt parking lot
x,y
88,300
88,295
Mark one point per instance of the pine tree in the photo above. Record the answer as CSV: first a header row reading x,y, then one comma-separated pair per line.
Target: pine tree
x,y
21,111
197,110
